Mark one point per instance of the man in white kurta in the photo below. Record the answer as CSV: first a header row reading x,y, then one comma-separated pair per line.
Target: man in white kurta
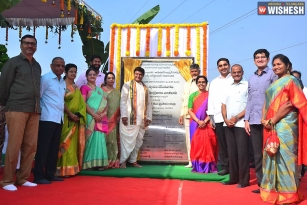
x,y
136,115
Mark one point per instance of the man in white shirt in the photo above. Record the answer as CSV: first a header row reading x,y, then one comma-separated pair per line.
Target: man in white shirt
x,y
216,93
95,64
184,119
233,111
298,75
52,91
136,116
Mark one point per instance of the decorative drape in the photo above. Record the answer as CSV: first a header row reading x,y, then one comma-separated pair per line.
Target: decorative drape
x,y
183,66
129,65
166,40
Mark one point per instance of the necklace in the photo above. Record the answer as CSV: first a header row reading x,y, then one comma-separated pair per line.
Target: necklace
x,y
91,86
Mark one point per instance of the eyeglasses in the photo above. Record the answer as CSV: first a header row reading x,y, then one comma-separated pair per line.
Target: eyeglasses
x,y
201,82
59,65
262,57
29,43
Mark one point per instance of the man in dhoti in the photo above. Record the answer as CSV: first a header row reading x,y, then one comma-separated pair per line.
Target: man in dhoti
x,y
136,113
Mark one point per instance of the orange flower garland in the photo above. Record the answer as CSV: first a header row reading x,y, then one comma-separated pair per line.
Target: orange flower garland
x,y
76,14
205,50
168,41
128,41
112,49
147,48
176,53
62,8
159,52
137,52
188,51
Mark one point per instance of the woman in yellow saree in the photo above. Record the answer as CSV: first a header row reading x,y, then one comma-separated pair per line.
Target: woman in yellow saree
x,y
285,111
71,150
112,138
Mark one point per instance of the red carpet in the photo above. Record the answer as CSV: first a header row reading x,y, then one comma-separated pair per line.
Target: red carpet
x,y
134,191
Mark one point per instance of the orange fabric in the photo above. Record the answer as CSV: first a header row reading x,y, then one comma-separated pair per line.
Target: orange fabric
x,y
280,198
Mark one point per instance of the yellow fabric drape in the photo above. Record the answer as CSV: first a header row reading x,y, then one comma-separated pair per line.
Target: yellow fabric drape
x,y
129,65
183,66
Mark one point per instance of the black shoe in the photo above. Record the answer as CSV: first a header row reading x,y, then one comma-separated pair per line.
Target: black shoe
x,y
242,186
42,181
256,191
56,179
223,172
229,183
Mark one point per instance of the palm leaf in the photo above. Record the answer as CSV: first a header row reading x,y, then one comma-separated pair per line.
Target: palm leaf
x,y
148,16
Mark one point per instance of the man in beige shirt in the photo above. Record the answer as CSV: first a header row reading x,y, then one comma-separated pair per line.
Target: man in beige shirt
x,y
184,119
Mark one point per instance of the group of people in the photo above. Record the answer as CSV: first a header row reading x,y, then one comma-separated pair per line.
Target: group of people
x,y
67,126
231,118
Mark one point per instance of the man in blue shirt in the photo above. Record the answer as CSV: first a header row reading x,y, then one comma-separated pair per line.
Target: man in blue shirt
x,y
257,85
52,91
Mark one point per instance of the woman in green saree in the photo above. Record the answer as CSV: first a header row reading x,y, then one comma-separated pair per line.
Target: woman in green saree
x,y
95,155
71,150
112,138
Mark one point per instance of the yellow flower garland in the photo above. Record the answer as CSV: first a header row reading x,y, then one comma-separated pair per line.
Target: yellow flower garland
x,y
198,45
205,50
137,51
188,51
119,43
176,53
168,41
159,51
147,47
128,42
158,25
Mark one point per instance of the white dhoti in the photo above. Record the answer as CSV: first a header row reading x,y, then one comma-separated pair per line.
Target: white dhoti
x,y
131,140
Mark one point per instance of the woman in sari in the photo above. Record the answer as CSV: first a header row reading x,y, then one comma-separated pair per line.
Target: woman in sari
x,y
203,140
112,138
95,155
71,149
285,112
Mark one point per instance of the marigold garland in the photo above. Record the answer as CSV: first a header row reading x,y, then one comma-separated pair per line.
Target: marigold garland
x,y
198,45
159,52
188,51
81,18
168,41
76,14
118,56
128,41
112,49
62,8
205,50
176,53
157,25
147,48
68,7
138,36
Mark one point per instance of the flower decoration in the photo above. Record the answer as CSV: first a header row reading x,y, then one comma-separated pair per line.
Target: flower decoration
x,y
198,45
119,42
205,50
62,8
128,41
68,7
188,51
137,52
159,52
76,13
168,41
147,50
112,49
176,53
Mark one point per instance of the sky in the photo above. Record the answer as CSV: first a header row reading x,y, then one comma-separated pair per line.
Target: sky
x,y
236,31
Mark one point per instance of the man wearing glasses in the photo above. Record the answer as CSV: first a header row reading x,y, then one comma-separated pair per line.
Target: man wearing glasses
x,y
20,94
257,85
52,91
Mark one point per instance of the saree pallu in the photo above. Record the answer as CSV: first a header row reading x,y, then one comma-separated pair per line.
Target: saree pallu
x,y
280,182
72,142
203,152
112,139
95,154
